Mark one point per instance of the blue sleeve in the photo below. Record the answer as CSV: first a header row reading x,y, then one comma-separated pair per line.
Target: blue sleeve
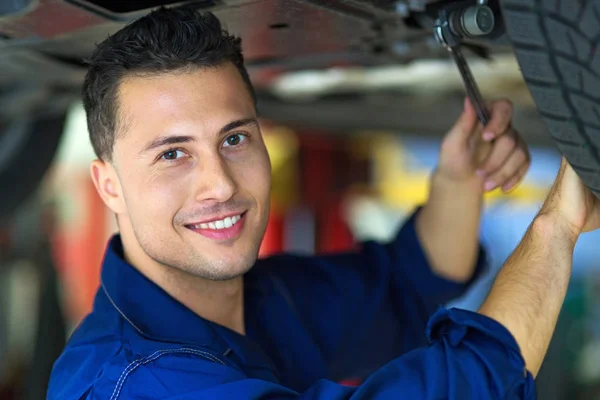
x,y
469,357
366,307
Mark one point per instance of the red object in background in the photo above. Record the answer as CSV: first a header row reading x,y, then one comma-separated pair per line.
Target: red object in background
x,y
273,240
327,171
317,168
334,234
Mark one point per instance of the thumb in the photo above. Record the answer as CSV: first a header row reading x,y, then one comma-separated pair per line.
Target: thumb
x,y
464,127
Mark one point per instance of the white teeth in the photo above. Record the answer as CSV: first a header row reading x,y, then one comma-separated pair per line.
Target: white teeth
x,y
227,222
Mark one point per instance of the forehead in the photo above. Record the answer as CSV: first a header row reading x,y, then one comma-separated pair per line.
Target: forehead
x,y
206,98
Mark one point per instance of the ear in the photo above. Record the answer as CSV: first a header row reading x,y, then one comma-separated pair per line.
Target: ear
x,y
108,185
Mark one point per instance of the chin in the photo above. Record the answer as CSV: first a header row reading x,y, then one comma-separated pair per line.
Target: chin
x,y
222,268
227,272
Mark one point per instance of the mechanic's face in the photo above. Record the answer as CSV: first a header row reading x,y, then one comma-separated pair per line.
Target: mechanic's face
x,y
191,176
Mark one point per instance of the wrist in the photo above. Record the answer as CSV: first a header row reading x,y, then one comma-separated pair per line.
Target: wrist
x,y
554,227
472,185
454,202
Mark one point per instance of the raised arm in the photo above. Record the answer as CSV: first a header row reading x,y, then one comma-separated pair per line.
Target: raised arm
x,y
470,164
530,289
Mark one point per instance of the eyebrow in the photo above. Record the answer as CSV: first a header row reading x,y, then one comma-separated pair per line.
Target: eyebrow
x,y
238,124
178,139
166,141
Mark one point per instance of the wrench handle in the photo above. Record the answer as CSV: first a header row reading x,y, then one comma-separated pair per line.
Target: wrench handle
x,y
471,86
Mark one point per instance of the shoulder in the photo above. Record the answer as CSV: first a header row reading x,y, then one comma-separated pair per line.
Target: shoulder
x,y
120,369
167,371
104,356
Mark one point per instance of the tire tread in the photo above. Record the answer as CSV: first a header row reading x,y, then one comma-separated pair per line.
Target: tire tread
x,y
556,45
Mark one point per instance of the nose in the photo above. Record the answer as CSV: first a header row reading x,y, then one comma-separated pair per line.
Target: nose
x,y
216,182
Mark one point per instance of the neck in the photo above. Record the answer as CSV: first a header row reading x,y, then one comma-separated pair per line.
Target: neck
x,y
221,302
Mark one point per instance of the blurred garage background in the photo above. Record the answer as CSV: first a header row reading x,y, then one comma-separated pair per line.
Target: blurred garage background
x,y
351,149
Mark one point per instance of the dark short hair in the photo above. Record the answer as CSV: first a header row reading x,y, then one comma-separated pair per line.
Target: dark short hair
x,y
166,40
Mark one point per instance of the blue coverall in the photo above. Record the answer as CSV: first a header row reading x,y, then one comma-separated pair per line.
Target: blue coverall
x,y
310,322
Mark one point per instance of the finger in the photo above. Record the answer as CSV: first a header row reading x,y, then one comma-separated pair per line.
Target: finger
x,y
465,125
469,110
501,150
507,170
501,116
517,178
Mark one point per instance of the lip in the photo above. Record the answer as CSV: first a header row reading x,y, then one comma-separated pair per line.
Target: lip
x,y
224,234
242,213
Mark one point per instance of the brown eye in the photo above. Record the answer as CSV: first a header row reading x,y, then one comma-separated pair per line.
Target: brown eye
x,y
172,155
235,140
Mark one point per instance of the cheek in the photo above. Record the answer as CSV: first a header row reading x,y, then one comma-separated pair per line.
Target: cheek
x,y
254,175
156,196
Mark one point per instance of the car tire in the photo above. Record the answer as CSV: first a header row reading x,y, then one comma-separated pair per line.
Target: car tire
x,y
27,149
556,46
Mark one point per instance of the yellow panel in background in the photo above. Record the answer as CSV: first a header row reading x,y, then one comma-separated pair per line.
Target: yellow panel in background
x,y
282,144
404,187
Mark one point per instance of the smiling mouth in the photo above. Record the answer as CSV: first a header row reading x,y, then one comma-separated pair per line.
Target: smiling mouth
x,y
221,224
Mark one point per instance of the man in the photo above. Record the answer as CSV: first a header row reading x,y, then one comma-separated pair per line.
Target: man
x,y
185,311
